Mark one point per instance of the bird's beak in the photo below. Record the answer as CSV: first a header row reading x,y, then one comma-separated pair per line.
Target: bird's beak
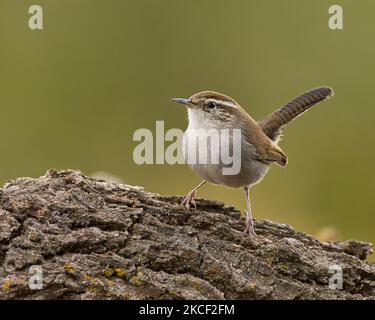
x,y
186,102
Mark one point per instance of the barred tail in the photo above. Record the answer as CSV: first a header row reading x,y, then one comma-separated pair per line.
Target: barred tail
x,y
273,124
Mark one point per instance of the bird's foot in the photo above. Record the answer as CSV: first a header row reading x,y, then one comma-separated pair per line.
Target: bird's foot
x,y
249,229
190,199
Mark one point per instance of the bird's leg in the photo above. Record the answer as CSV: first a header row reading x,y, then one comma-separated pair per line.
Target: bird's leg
x,y
249,216
189,199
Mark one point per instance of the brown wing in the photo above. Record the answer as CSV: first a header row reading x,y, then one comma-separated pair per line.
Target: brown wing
x,y
273,124
266,149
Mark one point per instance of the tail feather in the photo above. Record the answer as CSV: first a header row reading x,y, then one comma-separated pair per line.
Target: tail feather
x,y
277,155
273,124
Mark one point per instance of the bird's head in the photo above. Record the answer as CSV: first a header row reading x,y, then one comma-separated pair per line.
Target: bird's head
x,y
210,105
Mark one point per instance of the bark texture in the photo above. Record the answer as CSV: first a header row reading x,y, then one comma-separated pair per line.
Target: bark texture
x,y
95,239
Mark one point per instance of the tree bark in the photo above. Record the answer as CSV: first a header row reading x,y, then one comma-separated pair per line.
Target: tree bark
x,y
95,239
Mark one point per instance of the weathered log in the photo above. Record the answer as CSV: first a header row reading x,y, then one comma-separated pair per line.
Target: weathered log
x,y
95,239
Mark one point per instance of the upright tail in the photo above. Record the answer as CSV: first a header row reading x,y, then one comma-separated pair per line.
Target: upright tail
x,y
273,124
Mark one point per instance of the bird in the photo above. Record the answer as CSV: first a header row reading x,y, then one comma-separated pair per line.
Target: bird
x,y
259,140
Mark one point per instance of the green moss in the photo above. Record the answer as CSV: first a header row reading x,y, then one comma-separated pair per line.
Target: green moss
x,y
252,285
284,266
120,272
7,284
127,296
108,272
142,258
69,268
136,281
197,286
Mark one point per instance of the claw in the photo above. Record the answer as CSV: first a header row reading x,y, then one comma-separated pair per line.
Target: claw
x,y
189,199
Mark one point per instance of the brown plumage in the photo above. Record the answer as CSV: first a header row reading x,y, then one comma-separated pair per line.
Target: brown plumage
x,y
267,150
273,124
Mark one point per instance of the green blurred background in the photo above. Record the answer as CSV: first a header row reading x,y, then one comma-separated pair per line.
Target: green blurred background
x,y
72,95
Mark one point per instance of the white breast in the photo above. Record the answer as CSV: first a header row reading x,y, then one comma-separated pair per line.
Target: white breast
x,y
252,171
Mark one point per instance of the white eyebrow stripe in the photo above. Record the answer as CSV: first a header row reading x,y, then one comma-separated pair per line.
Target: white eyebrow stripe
x,y
223,103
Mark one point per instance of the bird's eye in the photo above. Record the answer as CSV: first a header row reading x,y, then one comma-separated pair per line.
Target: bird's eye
x,y
212,105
